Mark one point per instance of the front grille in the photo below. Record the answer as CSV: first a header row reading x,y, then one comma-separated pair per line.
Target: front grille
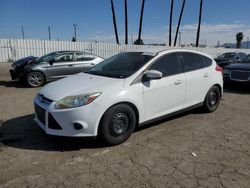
x,y
40,113
240,75
53,123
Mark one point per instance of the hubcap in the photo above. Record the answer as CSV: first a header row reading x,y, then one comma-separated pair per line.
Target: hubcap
x,y
35,79
119,124
213,98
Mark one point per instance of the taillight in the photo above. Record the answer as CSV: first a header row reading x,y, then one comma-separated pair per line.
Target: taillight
x,y
218,68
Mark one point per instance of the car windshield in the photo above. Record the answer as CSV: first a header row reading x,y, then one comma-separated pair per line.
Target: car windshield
x,y
46,57
121,65
246,59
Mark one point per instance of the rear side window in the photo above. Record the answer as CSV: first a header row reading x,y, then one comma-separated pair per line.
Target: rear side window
x,y
192,61
168,65
84,57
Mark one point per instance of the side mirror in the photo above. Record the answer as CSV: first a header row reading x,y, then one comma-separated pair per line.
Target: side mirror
x,y
51,62
153,74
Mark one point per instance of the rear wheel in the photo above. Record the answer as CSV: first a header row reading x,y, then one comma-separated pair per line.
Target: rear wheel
x,y
117,125
212,99
35,79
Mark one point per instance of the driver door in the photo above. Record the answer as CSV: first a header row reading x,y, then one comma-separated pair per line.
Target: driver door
x,y
165,95
61,65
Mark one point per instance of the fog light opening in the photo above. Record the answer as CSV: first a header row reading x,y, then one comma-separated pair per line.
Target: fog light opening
x,y
78,126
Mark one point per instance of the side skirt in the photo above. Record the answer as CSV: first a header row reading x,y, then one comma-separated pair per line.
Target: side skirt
x,y
171,114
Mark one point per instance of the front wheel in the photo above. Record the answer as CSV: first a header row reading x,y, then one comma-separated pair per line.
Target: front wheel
x,y
117,124
35,79
212,99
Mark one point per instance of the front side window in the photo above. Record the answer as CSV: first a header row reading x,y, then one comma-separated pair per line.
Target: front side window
x,y
46,57
168,65
192,61
84,57
246,59
63,58
121,65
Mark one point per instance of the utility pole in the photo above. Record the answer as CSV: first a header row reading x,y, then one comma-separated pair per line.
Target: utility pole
x,y
49,33
75,25
247,41
170,22
126,21
139,41
199,25
22,31
114,21
179,22
180,38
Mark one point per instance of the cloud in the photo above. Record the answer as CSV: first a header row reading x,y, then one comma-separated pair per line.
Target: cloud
x,y
211,33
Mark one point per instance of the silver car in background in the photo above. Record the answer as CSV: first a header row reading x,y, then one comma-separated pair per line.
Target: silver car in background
x,y
37,71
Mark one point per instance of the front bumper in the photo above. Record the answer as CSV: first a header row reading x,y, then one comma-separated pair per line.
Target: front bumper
x,y
17,74
61,122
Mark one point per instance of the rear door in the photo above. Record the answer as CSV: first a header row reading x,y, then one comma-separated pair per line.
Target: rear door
x,y
84,61
197,70
167,94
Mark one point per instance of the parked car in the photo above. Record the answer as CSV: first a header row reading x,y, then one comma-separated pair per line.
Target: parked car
x,y
238,73
229,58
127,90
37,71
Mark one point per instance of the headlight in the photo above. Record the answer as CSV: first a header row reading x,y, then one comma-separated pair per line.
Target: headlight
x,y
226,71
76,101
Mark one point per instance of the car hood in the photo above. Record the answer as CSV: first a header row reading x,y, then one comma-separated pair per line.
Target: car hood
x,y
23,61
79,84
239,66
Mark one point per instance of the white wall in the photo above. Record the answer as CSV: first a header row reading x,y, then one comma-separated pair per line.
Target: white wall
x,y
13,49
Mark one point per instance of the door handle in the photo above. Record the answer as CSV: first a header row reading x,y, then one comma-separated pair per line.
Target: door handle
x,y
70,65
205,75
92,63
178,82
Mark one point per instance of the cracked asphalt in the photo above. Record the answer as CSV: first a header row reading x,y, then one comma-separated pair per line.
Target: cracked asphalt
x,y
193,149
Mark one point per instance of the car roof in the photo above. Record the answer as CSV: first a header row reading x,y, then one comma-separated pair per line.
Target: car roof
x,y
65,51
170,50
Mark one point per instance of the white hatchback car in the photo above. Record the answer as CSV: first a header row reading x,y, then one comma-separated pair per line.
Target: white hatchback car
x,y
127,90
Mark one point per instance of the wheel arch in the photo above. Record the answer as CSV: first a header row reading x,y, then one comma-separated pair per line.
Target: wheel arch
x,y
30,71
130,104
220,88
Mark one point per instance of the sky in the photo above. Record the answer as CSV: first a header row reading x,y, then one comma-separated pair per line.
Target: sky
x,y
221,20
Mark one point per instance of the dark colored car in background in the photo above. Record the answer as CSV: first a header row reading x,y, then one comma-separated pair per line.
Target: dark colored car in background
x,y
238,73
229,58
37,71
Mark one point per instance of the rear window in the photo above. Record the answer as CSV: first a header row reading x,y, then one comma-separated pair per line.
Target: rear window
x,y
229,55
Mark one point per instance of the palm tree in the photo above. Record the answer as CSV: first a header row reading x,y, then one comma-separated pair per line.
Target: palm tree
x,y
139,41
126,21
239,38
114,21
199,25
179,22
170,22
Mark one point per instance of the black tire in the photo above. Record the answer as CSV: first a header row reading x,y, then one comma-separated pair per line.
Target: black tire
x,y
117,124
212,99
35,79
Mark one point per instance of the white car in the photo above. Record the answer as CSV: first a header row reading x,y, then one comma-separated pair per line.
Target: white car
x,y
128,90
